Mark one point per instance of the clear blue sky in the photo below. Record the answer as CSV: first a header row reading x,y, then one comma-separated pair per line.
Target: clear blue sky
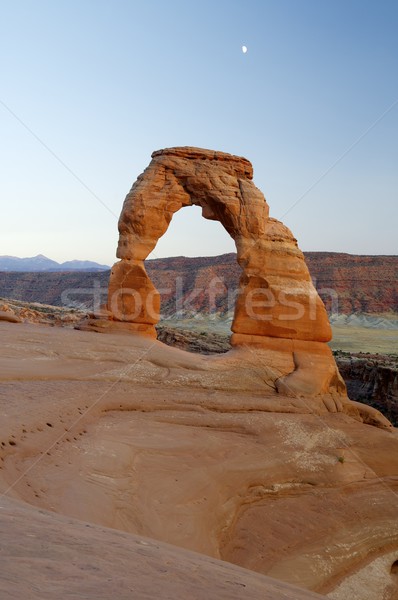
x,y
104,83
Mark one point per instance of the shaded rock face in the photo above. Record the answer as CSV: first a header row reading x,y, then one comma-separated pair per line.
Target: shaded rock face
x,y
373,380
193,341
276,296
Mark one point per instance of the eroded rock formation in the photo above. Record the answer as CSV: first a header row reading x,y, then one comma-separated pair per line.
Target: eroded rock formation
x,y
277,298
277,310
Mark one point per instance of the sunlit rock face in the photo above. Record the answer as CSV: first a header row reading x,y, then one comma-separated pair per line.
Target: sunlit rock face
x,y
277,311
277,298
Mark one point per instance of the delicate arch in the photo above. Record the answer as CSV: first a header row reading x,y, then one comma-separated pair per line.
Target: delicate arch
x,y
277,310
276,296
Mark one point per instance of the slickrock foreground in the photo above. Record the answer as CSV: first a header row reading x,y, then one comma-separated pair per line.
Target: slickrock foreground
x,y
47,557
125,432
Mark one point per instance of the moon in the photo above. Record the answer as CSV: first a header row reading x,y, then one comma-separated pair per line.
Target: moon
x,y
244,49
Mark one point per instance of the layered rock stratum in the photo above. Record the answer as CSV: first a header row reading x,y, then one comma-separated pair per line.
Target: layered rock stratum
x,y
348,284
372,379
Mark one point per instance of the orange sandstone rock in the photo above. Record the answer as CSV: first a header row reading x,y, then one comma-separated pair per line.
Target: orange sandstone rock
x,y
276,297
277,303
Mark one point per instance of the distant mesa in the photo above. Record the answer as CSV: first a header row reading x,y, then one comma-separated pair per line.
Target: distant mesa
x,y
364,286
42,263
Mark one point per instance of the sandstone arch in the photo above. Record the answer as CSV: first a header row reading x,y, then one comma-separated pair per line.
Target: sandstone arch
x,y
280,324
276,299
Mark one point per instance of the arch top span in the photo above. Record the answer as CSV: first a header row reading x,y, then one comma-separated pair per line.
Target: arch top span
x,y
220,183
191,153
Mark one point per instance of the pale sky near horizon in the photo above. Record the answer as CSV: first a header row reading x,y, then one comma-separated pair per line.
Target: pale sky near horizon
x,y
91,87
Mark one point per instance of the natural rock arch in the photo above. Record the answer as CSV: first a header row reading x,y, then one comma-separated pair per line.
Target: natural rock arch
x,y
276,299
278,312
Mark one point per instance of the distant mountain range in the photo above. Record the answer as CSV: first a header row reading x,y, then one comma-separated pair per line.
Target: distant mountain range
x,y
41,263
